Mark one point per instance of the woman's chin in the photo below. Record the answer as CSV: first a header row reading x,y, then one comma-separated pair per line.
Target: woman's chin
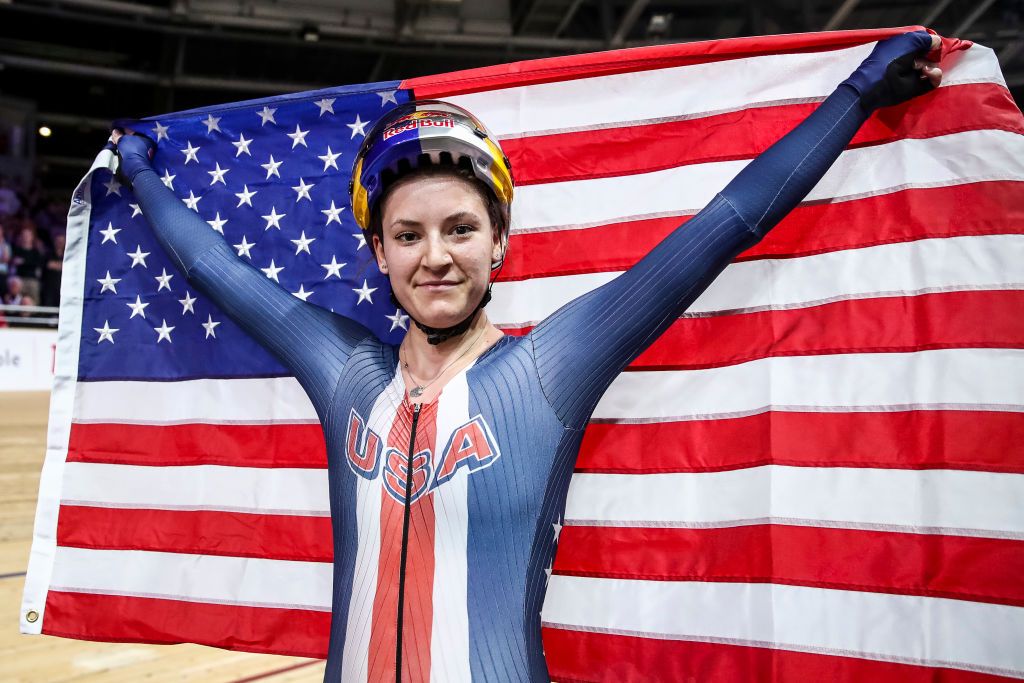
x,y
441,315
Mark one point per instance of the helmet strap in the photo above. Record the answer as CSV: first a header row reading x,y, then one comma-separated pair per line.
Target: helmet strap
x,y
436,335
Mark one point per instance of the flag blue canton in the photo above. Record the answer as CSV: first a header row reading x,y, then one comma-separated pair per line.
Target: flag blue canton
x,y
272,176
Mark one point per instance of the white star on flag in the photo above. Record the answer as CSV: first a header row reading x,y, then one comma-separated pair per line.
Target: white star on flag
x,y
386,97
271,271
136,211
333,268
330,159
186,303
113,187
242,145
108,283
138,308
326,105
160,130
364,293
138,257
266,115
190,153
298,137
362,239
399,319
211,122
217,175
218,223
302,244
109,233
168,178
358,127
106,332
192,201
302,293
333,213
274,219
271,167
209,325
302,190
164,332
245,196
558,529
243,248
164,279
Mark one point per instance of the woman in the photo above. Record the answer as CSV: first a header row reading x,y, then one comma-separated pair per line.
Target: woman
x,y
449,457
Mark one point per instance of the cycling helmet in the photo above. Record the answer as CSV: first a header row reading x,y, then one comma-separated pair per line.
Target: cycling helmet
x,y
429,133
421,133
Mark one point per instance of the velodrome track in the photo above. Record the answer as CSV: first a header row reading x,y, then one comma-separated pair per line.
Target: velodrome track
x,y
45,659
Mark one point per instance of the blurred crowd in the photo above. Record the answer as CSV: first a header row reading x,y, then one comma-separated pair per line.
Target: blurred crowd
x,y
32,229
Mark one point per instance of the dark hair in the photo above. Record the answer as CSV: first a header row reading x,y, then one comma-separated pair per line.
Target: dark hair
x,y
390,180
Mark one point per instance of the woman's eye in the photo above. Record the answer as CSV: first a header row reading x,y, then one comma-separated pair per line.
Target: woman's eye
x,y
463,229
405,236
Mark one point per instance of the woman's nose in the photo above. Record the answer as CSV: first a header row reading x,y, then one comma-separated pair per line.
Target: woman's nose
x,y
437,254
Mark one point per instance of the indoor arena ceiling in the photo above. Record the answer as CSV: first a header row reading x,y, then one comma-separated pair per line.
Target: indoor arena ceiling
x,y
86,62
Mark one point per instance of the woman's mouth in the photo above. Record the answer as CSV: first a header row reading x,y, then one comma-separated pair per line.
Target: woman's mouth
x,y
437,285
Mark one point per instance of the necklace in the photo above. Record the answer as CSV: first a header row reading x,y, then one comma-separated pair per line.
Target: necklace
x,y
418,390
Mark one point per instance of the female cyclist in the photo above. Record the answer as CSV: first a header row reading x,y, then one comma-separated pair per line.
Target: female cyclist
x,y
449,456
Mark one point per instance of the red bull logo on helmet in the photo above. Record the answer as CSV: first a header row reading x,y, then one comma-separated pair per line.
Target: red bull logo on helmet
x,y
417,119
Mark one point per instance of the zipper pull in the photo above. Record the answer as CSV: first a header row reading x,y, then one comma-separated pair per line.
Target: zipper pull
x,y
416,408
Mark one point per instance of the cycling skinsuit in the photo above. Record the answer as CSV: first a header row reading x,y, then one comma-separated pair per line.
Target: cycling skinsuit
x,y
492,456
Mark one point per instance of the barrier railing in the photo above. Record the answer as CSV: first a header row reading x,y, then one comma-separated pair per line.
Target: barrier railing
x,y
28,316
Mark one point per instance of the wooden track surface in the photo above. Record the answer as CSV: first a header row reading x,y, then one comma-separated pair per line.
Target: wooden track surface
x,y
45,659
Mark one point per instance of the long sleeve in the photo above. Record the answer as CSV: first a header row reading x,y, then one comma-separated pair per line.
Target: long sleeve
x,y
312,342
582,347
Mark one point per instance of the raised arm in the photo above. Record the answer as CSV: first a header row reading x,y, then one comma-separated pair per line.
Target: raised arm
x,y
312,342
583,346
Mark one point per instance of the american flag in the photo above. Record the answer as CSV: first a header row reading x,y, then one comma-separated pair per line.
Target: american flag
x,y
815,474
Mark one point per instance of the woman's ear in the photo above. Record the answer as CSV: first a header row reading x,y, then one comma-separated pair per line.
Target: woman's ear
x,y
378,252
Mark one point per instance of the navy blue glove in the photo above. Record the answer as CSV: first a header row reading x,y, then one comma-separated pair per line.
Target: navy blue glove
x,y
888,75
135,152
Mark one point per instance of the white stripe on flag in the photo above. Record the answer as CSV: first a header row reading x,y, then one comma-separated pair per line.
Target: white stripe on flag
x,y
878,169
281,491
954,263
277,400
196,578
675,92
979,379
957,378
910,629
848,497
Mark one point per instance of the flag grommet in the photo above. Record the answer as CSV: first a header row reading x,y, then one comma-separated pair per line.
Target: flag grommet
x,y
32,616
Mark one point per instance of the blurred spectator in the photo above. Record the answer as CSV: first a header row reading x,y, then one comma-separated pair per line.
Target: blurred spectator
x,y
5,260
52,272
14,295
9,202
27,260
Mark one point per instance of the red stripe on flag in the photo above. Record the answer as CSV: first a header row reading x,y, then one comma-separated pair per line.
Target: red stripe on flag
x,y
969,319
249,445
203,532
744,134
571,67
120,619
958,567
577,656
912,439
995,208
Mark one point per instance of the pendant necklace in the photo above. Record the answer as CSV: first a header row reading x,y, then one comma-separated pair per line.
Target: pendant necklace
x,y
418,390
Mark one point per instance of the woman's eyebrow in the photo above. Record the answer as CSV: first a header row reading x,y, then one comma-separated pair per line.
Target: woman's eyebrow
x,y
462,216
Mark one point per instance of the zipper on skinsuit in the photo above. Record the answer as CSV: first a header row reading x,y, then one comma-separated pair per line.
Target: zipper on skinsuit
x,y
405,542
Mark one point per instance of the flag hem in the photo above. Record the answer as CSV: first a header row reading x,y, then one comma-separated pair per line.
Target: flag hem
x,y
69,336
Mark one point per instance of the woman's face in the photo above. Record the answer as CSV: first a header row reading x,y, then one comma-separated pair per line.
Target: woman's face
x,y
438,245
